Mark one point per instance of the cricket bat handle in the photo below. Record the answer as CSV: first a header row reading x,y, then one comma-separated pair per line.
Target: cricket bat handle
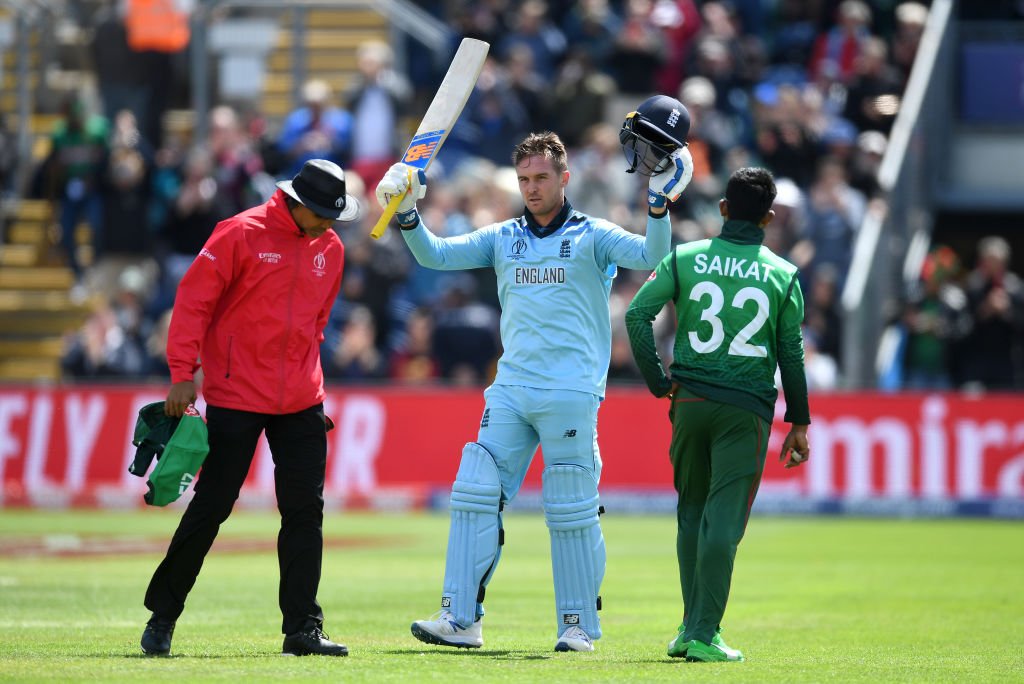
x,y
385,218
389,211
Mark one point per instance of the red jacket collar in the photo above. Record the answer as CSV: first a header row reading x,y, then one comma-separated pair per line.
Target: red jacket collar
x,y
279,217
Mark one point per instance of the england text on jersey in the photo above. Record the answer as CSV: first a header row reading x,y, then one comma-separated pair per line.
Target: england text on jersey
x,y
732,267
539,276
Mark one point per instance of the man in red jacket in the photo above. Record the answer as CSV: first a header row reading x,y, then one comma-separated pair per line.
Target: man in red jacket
x,y
251,310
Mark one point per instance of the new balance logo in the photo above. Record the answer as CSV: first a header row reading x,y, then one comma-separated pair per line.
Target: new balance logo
x,y
565,251
571,619
486,418
446,602
569,433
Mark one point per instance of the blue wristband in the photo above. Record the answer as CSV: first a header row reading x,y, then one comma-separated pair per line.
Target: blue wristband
x,y
656,200
408,220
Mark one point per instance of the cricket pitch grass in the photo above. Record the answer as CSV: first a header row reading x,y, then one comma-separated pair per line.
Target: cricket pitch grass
x,y
813,600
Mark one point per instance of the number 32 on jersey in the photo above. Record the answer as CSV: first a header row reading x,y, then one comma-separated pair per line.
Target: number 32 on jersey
x,y
709,292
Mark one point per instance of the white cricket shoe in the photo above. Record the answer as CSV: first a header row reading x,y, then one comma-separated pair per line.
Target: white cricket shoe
x,y
574,639
443,630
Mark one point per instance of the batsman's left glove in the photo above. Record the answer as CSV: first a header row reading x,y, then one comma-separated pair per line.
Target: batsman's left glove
x,y
668,185
407,181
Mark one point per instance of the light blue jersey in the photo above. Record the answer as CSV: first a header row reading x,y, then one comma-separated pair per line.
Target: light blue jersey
x,y
553,290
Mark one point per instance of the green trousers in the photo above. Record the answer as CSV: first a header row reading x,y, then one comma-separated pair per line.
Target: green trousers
x,y
717,457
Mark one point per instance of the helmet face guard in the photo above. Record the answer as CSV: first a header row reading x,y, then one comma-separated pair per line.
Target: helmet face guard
x,y
643,154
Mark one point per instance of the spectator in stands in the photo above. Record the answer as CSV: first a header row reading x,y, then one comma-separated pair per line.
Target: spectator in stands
x,y
873,94
484,20
356,357
77,165
680,23
910,21
374,270
793,31
790,220
156,348
126,191
783,141
821,313
378,100
590,28
865,162
821,370
110,344
237,166
528,86
121,73
413,362
596,170
936,319
532,29
834,215
836,50
495,115
195,206
317,129
638,51
579,98
993,355
712,134
465,333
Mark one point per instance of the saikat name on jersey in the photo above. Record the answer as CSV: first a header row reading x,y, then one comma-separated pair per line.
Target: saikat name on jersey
x,y
539,276
733,267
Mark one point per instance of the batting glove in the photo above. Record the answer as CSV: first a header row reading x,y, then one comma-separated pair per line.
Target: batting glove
x,y
407,181
668,185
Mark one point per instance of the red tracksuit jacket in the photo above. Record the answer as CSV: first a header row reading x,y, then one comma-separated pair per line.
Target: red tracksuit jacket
x,y
252,309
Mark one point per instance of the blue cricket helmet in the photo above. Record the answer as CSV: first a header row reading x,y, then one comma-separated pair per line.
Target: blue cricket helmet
x,y
656,129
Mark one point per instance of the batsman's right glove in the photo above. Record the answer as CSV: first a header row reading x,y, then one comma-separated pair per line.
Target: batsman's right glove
x,y
668,185
410,183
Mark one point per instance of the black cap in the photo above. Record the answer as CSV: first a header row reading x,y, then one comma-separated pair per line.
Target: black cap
x,y
320,187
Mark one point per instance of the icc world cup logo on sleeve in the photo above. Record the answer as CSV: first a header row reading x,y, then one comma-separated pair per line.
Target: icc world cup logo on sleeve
x,y
319,264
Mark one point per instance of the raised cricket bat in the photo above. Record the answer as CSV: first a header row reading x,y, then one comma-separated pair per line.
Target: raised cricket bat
x,y
451,97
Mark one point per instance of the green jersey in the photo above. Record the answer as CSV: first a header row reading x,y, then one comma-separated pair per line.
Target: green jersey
x,y
739,308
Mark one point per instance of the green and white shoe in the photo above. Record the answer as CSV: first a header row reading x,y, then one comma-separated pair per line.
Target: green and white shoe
x,y
699,652
678,646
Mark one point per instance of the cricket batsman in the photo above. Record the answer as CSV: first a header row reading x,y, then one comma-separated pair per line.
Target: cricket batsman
x,y
554,266
738,312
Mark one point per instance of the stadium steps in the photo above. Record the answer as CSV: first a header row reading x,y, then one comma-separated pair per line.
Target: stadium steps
x,y
36,278
332,37
18,255
36,306
29,369
9,83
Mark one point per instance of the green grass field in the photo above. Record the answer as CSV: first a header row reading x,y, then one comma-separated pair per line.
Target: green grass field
x,y
813,600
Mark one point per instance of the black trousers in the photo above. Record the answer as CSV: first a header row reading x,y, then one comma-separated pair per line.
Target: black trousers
x,y
298,443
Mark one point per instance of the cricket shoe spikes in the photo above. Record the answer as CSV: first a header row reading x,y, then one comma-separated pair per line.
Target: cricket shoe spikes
x,y
443,630
574,639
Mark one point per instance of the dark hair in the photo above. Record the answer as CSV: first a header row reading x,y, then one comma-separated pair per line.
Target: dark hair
x,y
546,144
750,194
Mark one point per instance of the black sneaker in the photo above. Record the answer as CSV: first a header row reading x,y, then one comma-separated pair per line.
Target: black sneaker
x,y
312,642
156,638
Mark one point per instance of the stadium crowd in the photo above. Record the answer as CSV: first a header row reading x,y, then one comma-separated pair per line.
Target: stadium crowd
x,y
808,89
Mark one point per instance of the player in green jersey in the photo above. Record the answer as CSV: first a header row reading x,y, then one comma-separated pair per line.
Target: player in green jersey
x,y
738,313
